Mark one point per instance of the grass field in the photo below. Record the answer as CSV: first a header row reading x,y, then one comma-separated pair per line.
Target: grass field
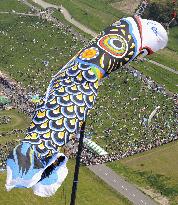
x,y
23,50
155,169
160,75
23,58
96,14
163,56
88,186
18,120
9,5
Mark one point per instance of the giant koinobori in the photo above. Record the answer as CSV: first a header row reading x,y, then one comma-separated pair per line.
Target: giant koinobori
x,y
70,95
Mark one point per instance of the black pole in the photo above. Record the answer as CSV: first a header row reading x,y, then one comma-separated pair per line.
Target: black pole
x,y
77,165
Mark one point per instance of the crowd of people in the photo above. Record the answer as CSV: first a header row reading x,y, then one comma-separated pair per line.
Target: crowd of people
x,y
4,119
5,149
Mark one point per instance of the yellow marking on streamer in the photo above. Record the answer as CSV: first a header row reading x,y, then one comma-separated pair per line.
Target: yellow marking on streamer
x,y
133,45
56,111
131,53
121,63
91,98
66,98
70,108
53,102
59,122
41,114
101,61
127,59
73,121
68,81
61,135
86,86
80,76
44,125
61,89
47,135
123,31
79,97
75,67
96,84
122,26
82,109
56,85
32,125
115,29
129,37
41,146
74,88
31,136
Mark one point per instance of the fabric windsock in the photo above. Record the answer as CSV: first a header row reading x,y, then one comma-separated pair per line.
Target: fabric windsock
x,y
25,169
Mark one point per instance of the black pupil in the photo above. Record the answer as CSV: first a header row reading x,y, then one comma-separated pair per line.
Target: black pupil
x,y
117,43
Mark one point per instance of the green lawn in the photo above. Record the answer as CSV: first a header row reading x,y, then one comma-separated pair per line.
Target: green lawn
x,y
166,57
9,5
96,14
23,50
158,74
173,39
91,190
18,120
155,169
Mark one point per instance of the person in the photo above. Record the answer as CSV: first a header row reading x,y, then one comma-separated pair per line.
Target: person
x,y
71,94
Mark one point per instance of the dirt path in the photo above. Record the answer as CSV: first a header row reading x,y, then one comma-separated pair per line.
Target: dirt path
x,y
67,16
16,13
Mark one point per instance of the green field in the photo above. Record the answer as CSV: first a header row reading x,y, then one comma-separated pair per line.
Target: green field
x,y
88,186
156,169
9,5
96,14
18,120
163,56
23,50
158,74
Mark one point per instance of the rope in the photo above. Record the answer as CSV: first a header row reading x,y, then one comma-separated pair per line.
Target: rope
x,y
173,15
142,7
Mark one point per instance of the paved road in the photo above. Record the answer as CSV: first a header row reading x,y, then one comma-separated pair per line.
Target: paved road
x,y
120,185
